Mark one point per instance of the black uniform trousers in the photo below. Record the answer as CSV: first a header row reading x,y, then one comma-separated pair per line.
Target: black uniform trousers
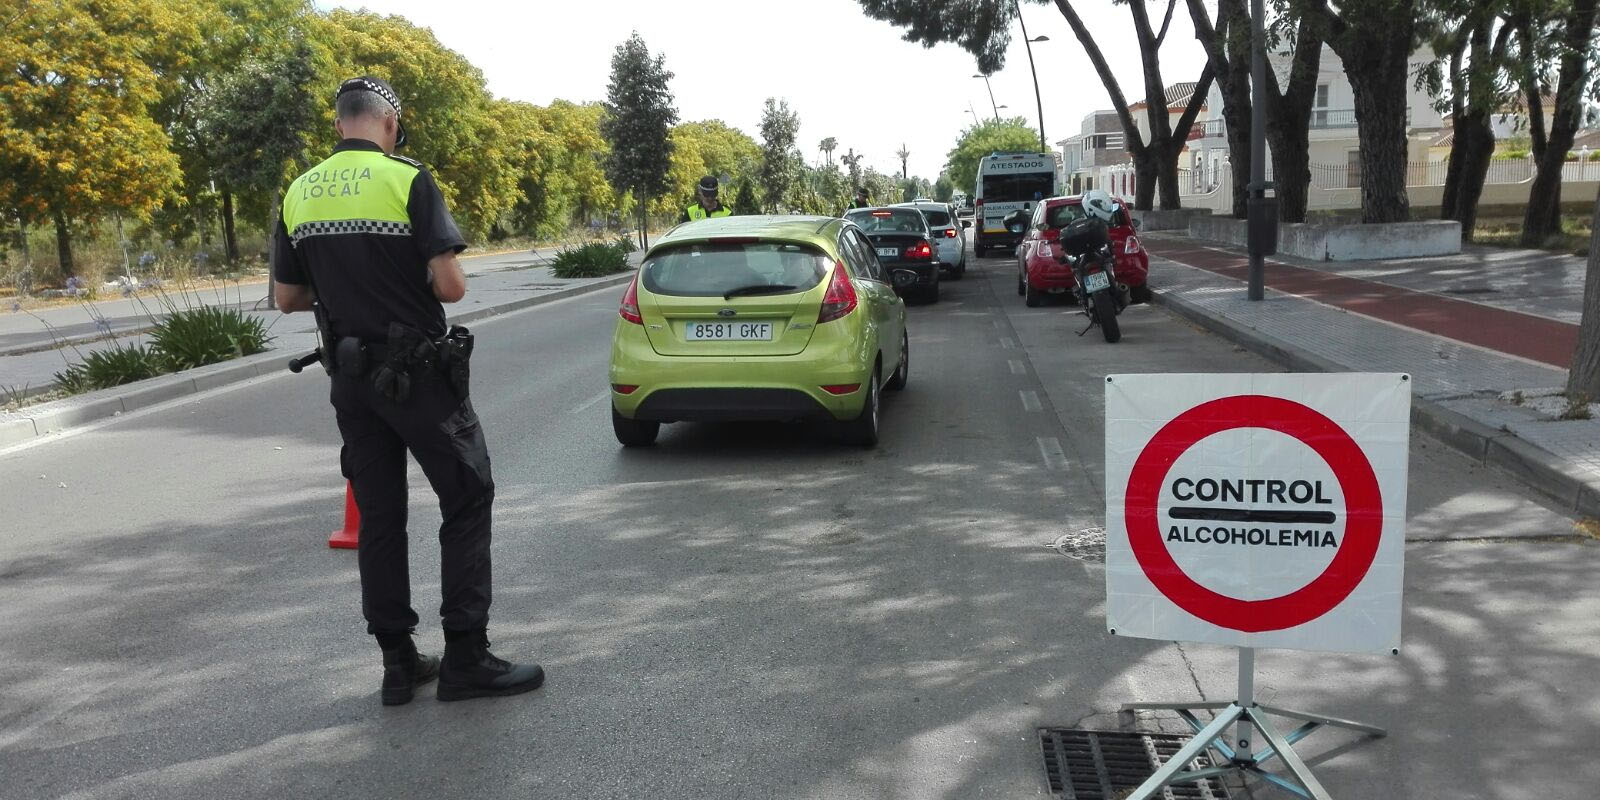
x,y
443,433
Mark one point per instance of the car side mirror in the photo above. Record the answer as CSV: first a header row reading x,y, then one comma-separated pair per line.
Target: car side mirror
x,y
966,223
1017,222
1137,223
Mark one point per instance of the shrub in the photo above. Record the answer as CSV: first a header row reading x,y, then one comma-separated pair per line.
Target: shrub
x,y
103,369
625,244
194,337
74,379
592,260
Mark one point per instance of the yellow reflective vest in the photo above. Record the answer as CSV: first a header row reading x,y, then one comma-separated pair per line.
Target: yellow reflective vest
x,y
696,212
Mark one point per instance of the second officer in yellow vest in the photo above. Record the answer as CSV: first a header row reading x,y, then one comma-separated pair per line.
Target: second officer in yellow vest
x,y
706,202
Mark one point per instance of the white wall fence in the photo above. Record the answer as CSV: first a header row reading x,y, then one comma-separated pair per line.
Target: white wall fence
x,y
1337,187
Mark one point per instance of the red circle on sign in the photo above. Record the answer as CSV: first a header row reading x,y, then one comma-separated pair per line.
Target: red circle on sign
x,y
1363,512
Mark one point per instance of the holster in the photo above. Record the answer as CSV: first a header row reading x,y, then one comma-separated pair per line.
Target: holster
x,y
455,359
410,355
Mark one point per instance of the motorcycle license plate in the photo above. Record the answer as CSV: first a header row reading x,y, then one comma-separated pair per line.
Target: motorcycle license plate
x,y
1095,281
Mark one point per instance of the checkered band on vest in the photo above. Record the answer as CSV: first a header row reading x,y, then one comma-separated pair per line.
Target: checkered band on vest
x,y
338,226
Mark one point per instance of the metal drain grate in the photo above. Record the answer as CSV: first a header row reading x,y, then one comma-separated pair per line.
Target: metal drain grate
x,y
1107,765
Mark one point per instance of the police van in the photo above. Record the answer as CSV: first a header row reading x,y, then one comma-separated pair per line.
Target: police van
x,y
1009,182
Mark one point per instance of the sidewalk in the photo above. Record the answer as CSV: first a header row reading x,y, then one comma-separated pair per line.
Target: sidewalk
x,y
1482,367
498,284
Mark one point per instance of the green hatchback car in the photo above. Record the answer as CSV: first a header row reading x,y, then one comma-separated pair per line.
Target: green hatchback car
x,y
758,318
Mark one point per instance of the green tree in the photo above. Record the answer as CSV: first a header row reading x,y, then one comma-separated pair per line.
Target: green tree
x,y
744,202
827,146
1574,22
780,127
1375,39
943,188
639,116
447,109
705,148
210,40
76,137
983,28
255,119
1288,112
1012,135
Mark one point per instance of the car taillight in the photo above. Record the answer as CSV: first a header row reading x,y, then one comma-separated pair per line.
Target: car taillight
x,y
949,233
841,297
1132,246
624,388
841,388
630,304
921,249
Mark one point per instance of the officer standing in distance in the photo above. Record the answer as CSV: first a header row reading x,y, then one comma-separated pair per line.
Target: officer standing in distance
x,y
706,203
861,201
366,242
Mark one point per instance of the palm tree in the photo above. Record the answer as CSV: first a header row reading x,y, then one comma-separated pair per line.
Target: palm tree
x,y
827,146
904,154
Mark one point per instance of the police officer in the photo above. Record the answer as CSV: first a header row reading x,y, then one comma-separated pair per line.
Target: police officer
x,y
706,203
861,200
365,240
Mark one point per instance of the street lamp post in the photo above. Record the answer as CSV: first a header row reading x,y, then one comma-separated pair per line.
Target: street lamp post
x,y
1036,97
991,95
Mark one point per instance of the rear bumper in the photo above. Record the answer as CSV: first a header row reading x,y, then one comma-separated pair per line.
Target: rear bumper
x,y
998,239
684,388
729,404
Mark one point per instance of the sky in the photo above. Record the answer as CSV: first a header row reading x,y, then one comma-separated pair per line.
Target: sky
x,y
847,75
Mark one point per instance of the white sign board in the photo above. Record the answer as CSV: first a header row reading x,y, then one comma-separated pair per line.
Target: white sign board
x,y
1257,510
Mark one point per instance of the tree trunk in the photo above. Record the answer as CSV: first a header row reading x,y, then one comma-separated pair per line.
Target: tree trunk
x,y
1291,168
1543,216
1146,174
230,240
1448,207
1380,99
1583,380
1476,154
64,245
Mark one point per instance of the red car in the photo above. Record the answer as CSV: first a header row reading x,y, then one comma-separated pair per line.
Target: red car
x,y
1040,274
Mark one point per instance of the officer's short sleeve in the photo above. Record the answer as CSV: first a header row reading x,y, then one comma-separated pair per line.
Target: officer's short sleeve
x,y
286,265
432,227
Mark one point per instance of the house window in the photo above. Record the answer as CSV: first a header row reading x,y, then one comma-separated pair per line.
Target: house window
x,y
1319,118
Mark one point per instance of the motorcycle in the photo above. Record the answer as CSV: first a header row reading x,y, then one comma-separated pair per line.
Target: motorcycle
x,y
1085,246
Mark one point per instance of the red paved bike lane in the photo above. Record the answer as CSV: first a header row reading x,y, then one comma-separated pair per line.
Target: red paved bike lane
x,y
1528,336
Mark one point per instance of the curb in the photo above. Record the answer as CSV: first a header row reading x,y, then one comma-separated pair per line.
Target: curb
x,y
1536,468
58,416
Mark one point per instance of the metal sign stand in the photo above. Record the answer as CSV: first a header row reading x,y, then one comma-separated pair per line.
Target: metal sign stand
x,y
1241,759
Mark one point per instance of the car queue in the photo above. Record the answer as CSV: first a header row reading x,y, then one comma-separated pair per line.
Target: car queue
x,y
797,318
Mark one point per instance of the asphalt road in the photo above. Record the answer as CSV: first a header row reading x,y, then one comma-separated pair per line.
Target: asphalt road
x,y
743,611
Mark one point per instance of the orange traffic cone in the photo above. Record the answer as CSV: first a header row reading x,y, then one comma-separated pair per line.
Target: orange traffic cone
x,y
347,537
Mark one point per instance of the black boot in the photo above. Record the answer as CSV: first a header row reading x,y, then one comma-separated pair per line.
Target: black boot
x,y
404,669
470,670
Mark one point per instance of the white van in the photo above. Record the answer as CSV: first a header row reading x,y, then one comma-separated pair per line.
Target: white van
x,y
1006,183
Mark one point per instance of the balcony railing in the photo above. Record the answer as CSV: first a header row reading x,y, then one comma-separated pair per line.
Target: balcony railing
x,y
1207,129
1326,118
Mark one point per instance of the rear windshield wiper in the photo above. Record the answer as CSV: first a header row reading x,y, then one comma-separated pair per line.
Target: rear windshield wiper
x,y
760,288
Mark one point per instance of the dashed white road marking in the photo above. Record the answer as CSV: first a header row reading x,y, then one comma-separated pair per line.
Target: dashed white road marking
x,y
1050,449
1007,342
1017,367
1030,400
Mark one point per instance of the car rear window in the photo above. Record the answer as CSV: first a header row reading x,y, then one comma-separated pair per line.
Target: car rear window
x,y
937,219
888,220
716,268
1061,216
